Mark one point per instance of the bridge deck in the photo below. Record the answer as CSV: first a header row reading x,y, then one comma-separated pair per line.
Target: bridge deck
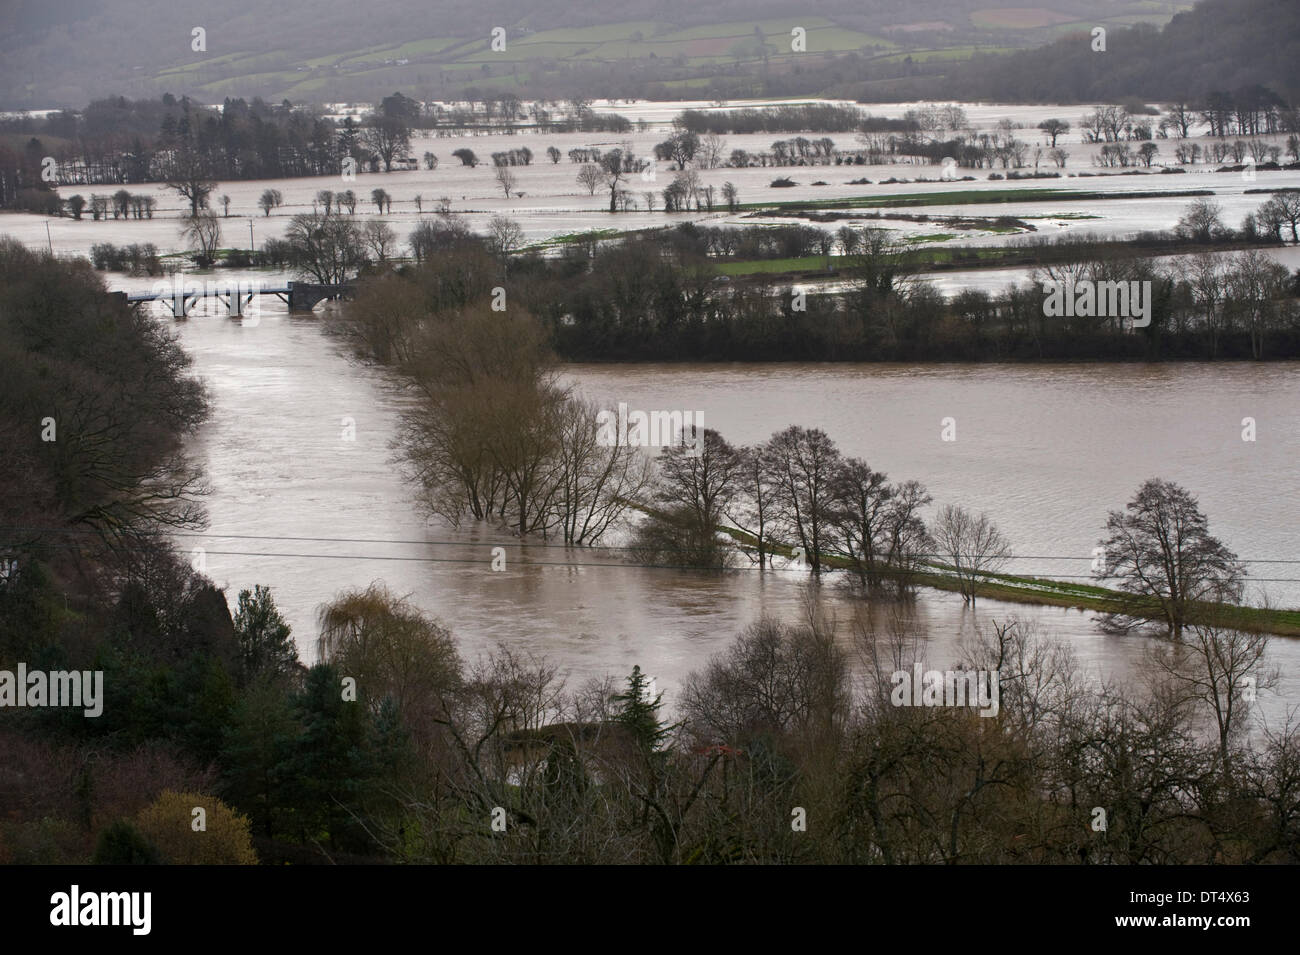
x,y
211,291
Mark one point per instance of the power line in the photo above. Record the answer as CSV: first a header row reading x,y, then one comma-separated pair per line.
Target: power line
x,y
540,545
630,565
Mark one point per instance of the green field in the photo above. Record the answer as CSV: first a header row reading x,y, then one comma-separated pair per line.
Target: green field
x,y
691,49
968,197
685,58
807,263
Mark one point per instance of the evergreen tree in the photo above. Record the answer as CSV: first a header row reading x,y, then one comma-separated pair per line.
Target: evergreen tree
x,y
123,844
331,766
255,755
640,713
266,646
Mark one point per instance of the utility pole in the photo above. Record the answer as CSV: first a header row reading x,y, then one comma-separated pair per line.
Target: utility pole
x,y
47,236
250,236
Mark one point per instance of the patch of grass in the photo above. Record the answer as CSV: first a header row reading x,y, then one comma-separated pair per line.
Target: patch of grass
x,y
806,263
969,197
609,32
934,237
569,238
1016,18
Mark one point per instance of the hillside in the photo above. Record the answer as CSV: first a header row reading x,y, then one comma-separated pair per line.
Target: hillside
x,y
67,52
1219,45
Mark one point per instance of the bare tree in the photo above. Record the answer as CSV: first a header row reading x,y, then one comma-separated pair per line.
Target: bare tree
x,y
599,483
1222,669
505,179
611,164
712,148
1201,221
1284,209
187,173
730,196
804,462
379,240
1161,551
1054,128
271,199
753,510
202,232
879,524
327,248
1180,117
389,138
971,545
504,235
591,177
1256,286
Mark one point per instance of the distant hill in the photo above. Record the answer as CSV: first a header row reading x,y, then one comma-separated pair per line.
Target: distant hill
x,y
1219,45
68,52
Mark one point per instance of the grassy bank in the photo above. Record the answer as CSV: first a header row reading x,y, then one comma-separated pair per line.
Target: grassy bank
x,y
1057,593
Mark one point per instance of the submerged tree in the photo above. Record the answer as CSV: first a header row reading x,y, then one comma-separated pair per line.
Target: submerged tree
x,y
202,233
972,545
1161,551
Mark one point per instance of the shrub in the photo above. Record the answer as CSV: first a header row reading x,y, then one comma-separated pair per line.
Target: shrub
x,y
123,844
168,824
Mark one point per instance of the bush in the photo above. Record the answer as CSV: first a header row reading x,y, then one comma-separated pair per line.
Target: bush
x,y
48,841
277,253
782,183
44,202
135,259
123,844
168,822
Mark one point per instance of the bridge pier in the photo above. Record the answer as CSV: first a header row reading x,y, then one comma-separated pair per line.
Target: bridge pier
x,y
180,302
237,297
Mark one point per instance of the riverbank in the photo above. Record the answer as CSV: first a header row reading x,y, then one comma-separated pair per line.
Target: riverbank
x,y
1045,592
